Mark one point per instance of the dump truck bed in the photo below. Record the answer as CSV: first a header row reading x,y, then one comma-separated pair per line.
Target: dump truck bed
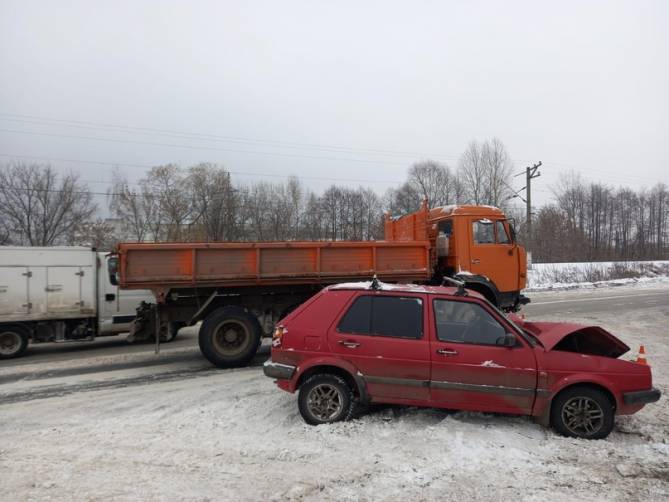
x,y
166,266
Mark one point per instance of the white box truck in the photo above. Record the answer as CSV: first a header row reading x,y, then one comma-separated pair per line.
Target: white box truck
x,y
60,294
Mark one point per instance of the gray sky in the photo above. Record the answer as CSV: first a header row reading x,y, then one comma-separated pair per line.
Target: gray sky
x,y
374,85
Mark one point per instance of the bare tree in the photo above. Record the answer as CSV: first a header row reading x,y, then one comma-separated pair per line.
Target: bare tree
x,y
39,209
485,170
137,208
433,181
215,202
98,234
402,200
471,171
174,194
497,169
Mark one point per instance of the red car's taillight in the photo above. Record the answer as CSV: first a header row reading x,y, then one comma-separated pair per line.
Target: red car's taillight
x,y
279,331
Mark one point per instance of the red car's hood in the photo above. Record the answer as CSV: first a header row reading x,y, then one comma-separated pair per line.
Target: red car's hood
x,y
593,340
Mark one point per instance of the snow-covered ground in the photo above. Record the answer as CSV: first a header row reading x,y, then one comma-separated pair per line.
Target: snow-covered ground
x,y
554,276
209,434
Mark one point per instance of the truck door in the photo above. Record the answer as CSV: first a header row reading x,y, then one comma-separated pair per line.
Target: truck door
x,y
14,290
493,254
63,290
384,337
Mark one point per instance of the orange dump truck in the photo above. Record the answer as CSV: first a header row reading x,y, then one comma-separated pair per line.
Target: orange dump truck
x,y
239,290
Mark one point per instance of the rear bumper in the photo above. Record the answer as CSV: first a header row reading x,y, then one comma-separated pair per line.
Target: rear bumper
x,y
641,397
278,370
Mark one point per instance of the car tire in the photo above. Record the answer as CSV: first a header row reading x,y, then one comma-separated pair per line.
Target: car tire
x,y
583,412
13,341
230,337
326,398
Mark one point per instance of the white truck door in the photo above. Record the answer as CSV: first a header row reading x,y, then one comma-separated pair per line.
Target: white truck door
x,y
14,290
63,290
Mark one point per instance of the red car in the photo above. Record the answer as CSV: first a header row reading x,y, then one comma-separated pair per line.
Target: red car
x,y
443,347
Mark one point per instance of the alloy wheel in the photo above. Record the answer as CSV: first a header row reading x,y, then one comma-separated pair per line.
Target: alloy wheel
x,y
583,416
325,402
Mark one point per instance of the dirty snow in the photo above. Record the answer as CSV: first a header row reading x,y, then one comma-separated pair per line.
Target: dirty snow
x,y
231,435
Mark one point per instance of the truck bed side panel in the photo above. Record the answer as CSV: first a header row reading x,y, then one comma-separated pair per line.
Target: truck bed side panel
x,y
171,265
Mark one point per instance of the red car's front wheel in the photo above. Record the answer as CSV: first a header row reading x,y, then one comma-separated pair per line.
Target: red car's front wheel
x,y
583,412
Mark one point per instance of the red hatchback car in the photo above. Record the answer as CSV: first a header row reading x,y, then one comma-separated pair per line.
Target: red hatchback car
x,y
442,347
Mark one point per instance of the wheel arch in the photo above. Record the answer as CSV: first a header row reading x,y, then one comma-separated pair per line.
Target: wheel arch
x,y
544,405
352,378
590,385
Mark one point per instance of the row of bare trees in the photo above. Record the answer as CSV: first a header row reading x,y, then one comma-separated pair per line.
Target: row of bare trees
x,y
201,203
595,222
592,221
41,208
482,177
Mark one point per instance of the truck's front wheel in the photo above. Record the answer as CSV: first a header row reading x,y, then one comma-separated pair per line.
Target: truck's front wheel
x,y
230,337
13,341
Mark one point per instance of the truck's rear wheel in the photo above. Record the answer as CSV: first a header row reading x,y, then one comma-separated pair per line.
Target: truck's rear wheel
x,y
230,337
13,341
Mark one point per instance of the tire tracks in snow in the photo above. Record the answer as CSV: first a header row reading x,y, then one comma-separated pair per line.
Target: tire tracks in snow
x,y
45,391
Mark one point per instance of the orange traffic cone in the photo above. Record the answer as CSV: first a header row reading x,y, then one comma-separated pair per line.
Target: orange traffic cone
x,y
641,358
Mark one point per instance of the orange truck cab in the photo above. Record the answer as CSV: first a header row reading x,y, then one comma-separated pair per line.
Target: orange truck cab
x,y
475,244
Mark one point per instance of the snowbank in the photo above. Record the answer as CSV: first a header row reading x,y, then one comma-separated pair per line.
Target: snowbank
x,y
548,276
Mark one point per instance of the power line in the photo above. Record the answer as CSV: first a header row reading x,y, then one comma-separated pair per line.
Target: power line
x,y
49,121
236,173
31,119
192,147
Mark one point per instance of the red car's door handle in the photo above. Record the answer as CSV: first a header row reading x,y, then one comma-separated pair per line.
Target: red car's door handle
x,y
447,352
349,344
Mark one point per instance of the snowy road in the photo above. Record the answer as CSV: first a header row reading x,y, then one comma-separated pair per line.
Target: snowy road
x,y
112,421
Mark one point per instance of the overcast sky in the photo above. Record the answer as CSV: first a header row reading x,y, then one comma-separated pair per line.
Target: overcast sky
x,y
339,90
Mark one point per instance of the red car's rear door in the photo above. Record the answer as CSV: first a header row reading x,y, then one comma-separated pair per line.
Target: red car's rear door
x,y
384,336
471,372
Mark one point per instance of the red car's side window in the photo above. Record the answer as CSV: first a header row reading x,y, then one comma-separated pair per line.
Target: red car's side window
x,y
392,316
465,322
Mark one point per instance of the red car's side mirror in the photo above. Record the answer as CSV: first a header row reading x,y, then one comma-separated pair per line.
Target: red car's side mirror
x,y
508,340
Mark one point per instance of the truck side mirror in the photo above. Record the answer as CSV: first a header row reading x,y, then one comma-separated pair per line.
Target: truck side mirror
x,y
442,245
112,270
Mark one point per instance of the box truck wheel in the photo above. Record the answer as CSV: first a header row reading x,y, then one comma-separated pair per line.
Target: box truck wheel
x,y
13,341
230,336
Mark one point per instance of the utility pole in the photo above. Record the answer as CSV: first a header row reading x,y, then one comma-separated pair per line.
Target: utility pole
x,y
530,174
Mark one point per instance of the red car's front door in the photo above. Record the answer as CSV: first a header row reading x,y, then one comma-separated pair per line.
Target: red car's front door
x,y
469,370
384,336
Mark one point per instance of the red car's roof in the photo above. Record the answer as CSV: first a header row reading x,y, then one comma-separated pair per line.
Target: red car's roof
x,y
403,288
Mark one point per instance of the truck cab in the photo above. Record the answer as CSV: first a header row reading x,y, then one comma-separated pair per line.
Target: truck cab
x,y
476,244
